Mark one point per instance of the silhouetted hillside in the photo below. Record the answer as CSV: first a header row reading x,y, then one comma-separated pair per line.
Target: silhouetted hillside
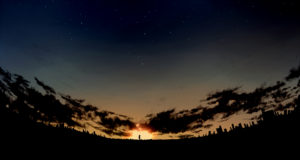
x,y
274,129
30,118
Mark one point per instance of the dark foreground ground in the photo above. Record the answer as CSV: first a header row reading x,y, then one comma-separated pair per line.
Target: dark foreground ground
x,y
275,135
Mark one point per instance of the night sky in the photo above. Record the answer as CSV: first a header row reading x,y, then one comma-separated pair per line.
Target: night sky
x,y
136,57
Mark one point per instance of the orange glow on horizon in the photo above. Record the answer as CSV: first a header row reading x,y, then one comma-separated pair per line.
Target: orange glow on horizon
x,y
140,133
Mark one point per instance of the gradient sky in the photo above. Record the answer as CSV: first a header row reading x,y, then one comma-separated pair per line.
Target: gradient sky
x,y
137,57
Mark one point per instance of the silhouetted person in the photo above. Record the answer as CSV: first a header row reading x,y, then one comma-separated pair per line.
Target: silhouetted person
x,y
139,137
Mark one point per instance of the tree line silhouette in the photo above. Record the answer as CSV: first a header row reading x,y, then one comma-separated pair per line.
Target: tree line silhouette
x,y
222,105
27,112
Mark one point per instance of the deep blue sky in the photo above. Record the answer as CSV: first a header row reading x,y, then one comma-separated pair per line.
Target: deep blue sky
x,y
141,56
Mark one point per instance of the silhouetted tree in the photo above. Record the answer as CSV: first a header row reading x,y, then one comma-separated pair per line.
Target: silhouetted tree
x,y
18,97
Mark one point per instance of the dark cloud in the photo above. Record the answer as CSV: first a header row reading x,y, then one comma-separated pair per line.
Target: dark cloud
x,y
48,89
16,95
106,121
222,104
115,124
231,101
134,42
294,73
20,97
171,121
185,136
207,126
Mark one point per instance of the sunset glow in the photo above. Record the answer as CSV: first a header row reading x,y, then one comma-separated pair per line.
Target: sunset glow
x,y
143,133
140,133
139,70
